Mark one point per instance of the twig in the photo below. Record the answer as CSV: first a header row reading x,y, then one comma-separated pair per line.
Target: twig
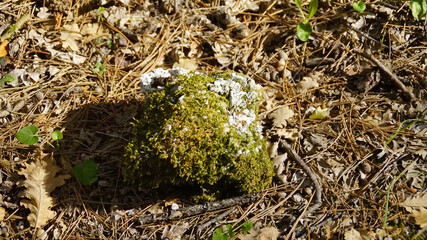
x,y
8,33
216,219
310,174
197,209
387,71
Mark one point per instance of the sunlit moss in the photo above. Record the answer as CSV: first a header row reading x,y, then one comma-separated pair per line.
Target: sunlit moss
x,y
184,138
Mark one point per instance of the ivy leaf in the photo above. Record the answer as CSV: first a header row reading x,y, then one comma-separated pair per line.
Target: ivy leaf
x,y
86,173
303,31
27,135
359,6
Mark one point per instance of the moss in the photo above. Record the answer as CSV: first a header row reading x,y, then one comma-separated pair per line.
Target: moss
x,y
184,138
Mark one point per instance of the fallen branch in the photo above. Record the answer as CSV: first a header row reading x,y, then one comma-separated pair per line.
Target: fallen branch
x,y
197,209
387,71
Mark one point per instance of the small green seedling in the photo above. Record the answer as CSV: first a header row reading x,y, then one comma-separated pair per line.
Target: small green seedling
x,y
418,9
219,233
99,68
304,28
246,227
6,78
359,6
86,173
27,135
101,13
57,135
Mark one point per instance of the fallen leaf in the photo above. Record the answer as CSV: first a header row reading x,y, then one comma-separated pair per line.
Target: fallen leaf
x,y
319,113
2,213
420,216
3,51
40,179
69,37
267,233
189,64
417,206
280,116
307,83
418,200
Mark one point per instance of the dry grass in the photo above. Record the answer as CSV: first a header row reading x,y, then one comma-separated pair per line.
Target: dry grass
x,y
95,112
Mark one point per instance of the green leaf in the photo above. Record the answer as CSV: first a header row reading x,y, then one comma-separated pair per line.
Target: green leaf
x,y
57,135
359,6
319,113
230,230
219,234
27,135
418,9
303,31
298,3
247,226
6,78
87,173
312,8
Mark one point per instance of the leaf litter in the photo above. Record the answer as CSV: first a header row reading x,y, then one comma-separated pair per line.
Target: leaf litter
x,y
52,58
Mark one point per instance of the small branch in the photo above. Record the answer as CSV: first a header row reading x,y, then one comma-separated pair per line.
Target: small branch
x,y
294,155
387,71
8,33
197,209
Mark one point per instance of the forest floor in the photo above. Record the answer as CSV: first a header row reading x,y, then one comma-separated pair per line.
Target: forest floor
x,y
350,103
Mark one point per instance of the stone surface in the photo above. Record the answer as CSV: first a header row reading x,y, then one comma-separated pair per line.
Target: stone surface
x,y
199,131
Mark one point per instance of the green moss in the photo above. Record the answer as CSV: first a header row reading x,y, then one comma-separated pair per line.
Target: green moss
x,y
183,138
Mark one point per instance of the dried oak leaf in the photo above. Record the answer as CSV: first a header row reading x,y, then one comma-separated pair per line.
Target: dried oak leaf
x,y
40,179
417,206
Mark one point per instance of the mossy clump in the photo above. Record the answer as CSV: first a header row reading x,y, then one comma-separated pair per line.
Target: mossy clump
x,y
198,131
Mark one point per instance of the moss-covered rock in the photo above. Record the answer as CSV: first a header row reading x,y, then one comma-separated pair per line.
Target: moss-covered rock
x,y
200,131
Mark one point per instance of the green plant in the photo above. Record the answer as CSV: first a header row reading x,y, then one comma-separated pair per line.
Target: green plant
x,y
246,227
26,135
99,68
359,6
6,78
418,9
401,128
304,28
57,135
101,13
220,234
388,194
87,173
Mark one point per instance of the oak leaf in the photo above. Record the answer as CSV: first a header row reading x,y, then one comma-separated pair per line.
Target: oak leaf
x,y
40,180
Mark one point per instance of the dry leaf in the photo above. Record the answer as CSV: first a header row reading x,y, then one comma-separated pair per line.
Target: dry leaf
x,y
420,216
280,116
307,83
417,206
418,200
40,180
268,233
3,51
189,64
69,36
2,213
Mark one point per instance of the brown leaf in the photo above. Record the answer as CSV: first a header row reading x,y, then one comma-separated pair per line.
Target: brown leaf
x,y
40,180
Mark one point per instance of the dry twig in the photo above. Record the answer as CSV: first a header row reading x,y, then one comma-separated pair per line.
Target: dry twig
x,y
387,71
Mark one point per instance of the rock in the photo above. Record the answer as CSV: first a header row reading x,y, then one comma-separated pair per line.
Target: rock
x,y
198,131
